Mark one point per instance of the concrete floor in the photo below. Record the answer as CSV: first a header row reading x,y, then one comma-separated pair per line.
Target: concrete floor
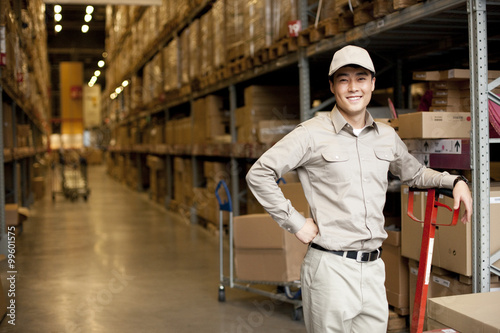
x,y
120,263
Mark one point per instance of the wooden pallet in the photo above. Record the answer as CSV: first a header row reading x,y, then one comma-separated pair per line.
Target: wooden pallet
x,y
382,8
401,4
236,66
283,47
363,14
261,57
397,322
324,29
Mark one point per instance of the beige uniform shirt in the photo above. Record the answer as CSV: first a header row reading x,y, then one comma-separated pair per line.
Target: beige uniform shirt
x,y
344,178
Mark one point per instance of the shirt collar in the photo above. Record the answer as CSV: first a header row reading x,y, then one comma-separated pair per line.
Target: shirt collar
x,y
339,121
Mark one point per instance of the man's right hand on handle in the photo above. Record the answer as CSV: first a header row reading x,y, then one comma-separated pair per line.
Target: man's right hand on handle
x,y
308,231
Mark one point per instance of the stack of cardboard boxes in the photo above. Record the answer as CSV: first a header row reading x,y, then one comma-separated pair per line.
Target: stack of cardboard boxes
x,y
269,113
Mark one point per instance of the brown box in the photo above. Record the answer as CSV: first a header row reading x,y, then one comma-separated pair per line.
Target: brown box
x,y
264,251
427,76
396,271
295,193
467,313
271,131
439,125
452,245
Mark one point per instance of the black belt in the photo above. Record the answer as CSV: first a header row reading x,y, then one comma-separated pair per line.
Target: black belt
x,y
360,256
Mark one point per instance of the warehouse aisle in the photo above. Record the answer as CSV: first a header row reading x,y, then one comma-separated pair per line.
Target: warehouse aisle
x,y
120,263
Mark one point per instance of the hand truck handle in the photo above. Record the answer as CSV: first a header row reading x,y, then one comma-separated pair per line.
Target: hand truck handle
x,y
226,205
435,192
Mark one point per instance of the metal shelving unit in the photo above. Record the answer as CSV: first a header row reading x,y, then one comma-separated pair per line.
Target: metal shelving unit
x,y
415,37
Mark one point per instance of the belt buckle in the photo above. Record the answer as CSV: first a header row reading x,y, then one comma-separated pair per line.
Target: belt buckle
x,y
360,254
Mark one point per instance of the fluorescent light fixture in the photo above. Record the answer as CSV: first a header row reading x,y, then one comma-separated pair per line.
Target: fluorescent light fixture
x,y
97,73
125,83
89,10
57,8
113,95
88,18
118,90
85,28
101,63
91,84
58,28
93,79
58,17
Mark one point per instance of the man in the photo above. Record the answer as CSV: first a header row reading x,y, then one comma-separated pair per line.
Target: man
x,y
342,161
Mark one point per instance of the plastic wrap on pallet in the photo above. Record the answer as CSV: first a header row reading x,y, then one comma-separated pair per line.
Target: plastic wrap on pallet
x,y
184,56
164,13
258,28
234,29
284,11
206,43
194,49
219,34
170,65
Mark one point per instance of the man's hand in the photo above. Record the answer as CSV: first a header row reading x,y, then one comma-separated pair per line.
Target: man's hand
x,y
308,231
461,193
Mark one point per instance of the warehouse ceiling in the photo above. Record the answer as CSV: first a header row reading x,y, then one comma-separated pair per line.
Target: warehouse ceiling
x,y
71,44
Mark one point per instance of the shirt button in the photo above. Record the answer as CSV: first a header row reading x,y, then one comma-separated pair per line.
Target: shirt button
x,y
365,179
289,229
336,157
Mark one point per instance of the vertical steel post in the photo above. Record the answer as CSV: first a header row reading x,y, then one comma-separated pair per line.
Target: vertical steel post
x,y
480,153
235,190
304,79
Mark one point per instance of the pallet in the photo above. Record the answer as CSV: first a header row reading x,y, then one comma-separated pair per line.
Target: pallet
x,y
363,14
261,57
324,29
401,4
397,322
236,66
382,8
283,47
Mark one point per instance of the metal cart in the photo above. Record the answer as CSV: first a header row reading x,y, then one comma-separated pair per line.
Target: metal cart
x,y
288,292
69,176
424,268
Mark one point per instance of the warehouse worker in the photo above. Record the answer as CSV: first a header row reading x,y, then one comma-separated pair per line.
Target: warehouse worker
x,y
342,160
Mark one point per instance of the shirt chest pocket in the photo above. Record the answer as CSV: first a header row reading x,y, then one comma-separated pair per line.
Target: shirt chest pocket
x,y
383,158
337,166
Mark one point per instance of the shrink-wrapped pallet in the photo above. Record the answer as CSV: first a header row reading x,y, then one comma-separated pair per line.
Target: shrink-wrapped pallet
x,y
258,27
206,43
170,64
219,34
235,36
284,11
184,56
194,49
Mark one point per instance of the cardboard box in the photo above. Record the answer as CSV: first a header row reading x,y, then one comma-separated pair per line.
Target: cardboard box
x,y
467,313
435,125
427,76
452,245
396,271
264,251
295,193
271,131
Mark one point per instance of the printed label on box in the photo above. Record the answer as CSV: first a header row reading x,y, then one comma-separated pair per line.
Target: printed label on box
x,y
441,281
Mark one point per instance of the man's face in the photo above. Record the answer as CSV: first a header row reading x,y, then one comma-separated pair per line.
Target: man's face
x,y
353,89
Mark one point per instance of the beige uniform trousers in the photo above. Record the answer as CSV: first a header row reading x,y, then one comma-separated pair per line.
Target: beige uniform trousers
x,y
340,295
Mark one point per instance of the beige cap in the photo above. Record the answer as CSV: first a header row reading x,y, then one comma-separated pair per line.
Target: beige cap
x,y
351,55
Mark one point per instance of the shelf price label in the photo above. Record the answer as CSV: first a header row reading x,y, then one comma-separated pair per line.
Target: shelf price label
x,y
3,46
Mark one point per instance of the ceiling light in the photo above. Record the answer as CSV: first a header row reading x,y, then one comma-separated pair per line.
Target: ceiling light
x,y
125,83
89,10
97,73
88,18
58,17
104,54
58,28
85,28
113,95
91,84
118,90
101,63
57,8
93,79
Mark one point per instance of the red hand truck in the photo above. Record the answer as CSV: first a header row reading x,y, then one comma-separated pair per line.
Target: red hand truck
x,y
424,268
